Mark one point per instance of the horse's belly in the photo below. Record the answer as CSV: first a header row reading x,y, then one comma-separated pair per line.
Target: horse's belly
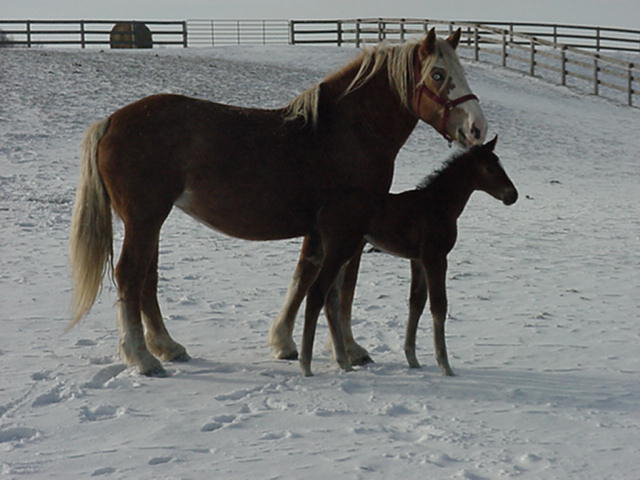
x,y
248,218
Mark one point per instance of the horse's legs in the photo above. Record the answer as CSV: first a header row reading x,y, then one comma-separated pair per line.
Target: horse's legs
x,y
436,281
417,301
281,333
157,338
138,250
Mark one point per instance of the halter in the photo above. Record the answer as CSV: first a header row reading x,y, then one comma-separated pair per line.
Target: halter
x,y
445,103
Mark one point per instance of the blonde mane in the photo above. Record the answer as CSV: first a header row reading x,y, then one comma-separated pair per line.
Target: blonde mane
x,y
399,62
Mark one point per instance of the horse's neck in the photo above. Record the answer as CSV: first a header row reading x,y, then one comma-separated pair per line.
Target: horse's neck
x,y
373,109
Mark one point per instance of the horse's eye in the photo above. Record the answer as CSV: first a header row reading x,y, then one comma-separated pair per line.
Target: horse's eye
x,y
437,76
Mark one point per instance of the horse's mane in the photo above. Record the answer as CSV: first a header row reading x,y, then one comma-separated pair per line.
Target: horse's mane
x,y
452,161
399,62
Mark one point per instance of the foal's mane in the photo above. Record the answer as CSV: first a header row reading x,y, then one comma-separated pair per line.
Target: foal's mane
x,y
447,165
399,62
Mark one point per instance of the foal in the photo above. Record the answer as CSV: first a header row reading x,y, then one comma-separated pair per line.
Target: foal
x,y
421,225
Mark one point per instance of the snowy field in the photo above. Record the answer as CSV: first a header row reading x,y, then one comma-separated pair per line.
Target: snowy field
x,y
543,330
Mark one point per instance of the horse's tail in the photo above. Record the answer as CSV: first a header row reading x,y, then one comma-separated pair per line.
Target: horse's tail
x,y
91,239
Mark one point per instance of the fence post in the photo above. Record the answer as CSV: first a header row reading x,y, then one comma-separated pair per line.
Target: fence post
x,y
563,61
185,35
238,31
28,33
82,35
476,48
264,32
339,30
532,67
292,32
213,34
504,48
358,33
597,39
402,30
425,26
468,36
555,36
630,85
596,81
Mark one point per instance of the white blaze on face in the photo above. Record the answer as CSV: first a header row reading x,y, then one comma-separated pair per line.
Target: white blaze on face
x,y
473,128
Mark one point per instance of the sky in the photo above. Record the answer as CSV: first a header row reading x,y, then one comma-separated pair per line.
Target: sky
x,y
612,13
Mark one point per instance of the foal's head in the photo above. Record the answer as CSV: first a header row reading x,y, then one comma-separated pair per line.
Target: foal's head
x,y
488,174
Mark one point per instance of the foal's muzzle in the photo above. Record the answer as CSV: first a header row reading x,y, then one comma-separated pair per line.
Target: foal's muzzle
x,y
510,196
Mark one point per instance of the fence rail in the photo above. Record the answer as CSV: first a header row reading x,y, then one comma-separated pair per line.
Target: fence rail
x,y
209,33
569,54
84,33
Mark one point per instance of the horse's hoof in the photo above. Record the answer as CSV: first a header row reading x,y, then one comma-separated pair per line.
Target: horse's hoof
x,y
288,356
158,372
181,358
365,360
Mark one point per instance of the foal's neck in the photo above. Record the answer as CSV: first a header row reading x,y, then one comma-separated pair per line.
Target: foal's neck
x,y
449,191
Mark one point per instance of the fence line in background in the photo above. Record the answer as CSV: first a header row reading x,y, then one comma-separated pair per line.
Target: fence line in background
x,y
572,54
84,33
536,49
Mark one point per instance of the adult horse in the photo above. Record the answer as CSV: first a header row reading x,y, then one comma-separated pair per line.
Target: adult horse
x,y
253,174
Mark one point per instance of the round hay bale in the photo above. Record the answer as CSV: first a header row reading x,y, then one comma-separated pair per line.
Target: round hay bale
x,y
130,35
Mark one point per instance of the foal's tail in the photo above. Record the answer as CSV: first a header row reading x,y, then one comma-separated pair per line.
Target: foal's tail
x,y
90,242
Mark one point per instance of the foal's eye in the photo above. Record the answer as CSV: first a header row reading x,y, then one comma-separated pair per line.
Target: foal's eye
x,y
437,76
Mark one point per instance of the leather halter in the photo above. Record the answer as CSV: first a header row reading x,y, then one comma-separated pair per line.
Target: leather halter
x,y
446,104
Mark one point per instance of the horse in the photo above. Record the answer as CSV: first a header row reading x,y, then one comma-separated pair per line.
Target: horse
x,y
256,174
421,225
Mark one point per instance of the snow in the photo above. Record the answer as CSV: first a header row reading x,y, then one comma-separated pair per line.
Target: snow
x,y
543,325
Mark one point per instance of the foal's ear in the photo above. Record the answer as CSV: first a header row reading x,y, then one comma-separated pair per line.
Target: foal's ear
x,y
491,144
428,45
454,38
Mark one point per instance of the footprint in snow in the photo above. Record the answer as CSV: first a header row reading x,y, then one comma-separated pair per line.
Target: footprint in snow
x,y
218,422
18,434
101,412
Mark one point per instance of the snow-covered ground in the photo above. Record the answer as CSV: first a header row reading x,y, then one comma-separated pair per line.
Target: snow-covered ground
x,y
544,322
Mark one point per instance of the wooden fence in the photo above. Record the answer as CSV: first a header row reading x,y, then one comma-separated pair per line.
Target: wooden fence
x,y
568,54
84,33
210,33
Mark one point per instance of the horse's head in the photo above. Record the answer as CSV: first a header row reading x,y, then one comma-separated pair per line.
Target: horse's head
x,y
442,96
489,175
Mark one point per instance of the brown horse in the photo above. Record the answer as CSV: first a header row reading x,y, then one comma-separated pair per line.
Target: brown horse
x,y
258,175
421,225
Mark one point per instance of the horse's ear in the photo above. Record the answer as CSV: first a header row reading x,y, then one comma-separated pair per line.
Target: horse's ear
x,y
454,38
492,144
428,45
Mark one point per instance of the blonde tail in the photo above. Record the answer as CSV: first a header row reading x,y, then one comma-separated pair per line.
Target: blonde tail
x,y
91,239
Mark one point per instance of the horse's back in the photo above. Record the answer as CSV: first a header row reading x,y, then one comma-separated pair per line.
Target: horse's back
x,y
242,171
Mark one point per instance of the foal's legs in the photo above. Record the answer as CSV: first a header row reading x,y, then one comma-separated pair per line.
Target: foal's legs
x,y
138,250
281,333
436,280
157,338
316,298
417,301
357,354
